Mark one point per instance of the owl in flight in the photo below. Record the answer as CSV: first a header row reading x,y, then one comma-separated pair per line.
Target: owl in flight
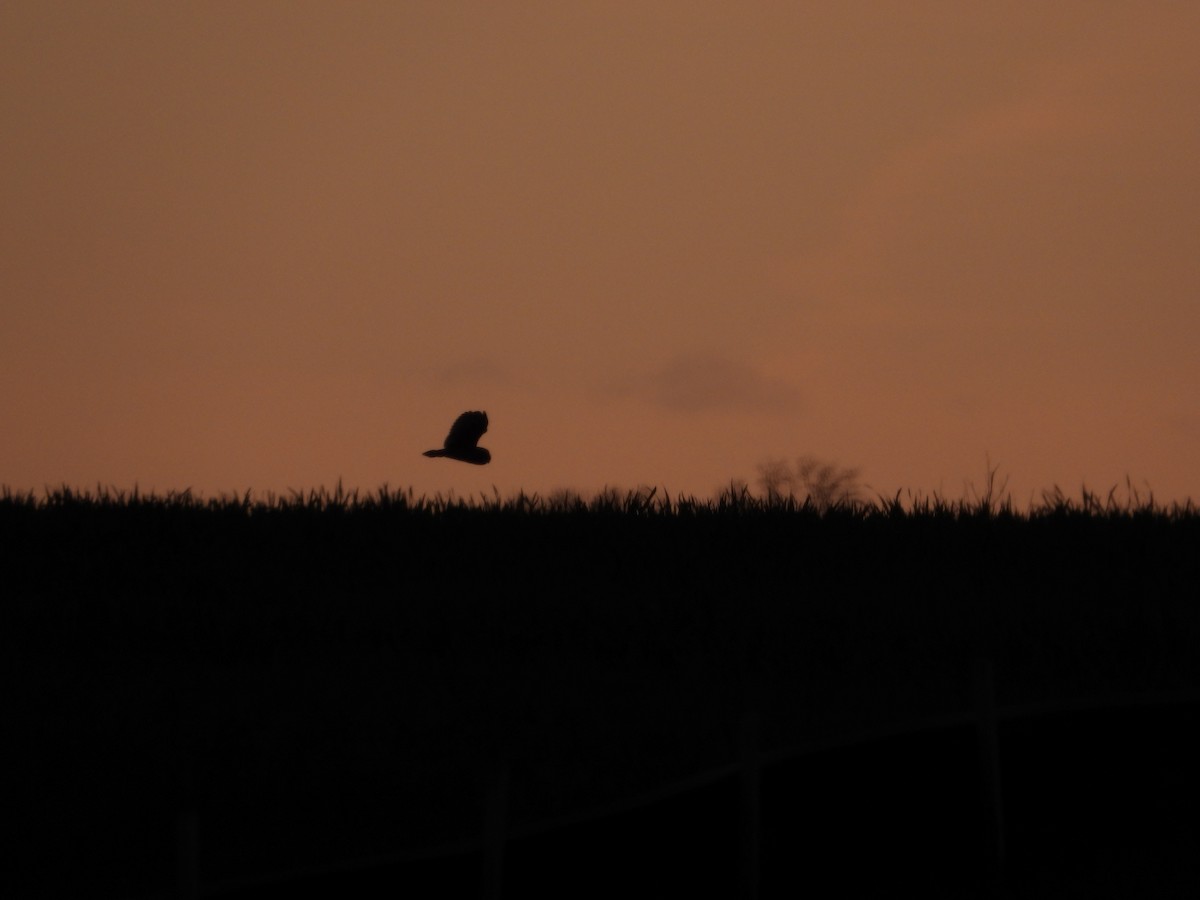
x,y
461,443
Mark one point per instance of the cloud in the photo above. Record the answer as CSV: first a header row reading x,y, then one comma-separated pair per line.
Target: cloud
x,y
702,382
472,372
1183,424
1077,176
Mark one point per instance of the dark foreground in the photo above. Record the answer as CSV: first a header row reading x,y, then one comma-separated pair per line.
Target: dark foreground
x,y
322,680
1090,811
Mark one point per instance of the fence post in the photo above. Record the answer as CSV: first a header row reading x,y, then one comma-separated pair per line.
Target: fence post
x,y
187,855
989,763
750,806
187,823
495,826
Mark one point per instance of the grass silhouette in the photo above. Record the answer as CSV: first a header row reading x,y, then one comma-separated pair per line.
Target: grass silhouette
x,y
338,651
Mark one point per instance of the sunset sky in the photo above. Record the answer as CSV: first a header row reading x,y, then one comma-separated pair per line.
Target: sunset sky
x,y
269,245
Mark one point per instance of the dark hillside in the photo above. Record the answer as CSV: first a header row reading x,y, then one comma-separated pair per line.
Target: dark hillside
x,y
330,676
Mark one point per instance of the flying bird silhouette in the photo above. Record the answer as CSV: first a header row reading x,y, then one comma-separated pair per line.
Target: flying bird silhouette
x,y
461,443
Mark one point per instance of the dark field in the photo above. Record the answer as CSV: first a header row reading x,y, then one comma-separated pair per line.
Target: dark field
x,y
325,677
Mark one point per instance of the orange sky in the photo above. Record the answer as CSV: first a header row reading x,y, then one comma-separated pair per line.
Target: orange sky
x,y
268,245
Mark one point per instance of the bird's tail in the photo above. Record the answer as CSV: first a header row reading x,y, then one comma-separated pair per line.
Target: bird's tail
x,y
434,453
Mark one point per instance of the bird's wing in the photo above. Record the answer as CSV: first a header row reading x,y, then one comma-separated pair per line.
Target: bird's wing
x,y
466,430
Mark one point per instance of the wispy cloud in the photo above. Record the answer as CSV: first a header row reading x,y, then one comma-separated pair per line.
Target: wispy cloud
x,y
1184,424
701,382
472,372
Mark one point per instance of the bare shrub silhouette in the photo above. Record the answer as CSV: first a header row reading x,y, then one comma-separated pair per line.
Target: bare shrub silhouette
x,y
821,483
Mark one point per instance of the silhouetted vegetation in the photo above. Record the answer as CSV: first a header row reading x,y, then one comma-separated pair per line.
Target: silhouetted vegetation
x,y
819,482
364,659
